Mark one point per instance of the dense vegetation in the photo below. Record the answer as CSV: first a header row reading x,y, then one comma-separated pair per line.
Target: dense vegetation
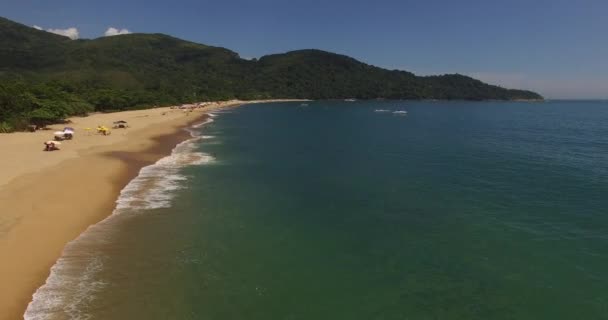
x,y
45,77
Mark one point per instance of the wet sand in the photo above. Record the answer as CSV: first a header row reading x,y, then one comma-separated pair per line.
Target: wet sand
x,y
49,198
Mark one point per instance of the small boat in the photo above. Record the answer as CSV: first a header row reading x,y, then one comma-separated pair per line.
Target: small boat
x,y
350,100
400,112
381,110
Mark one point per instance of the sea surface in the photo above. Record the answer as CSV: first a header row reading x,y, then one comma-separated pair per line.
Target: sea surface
x,y
347,210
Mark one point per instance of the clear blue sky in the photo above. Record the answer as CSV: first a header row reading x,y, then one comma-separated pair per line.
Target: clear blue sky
x,y
557,47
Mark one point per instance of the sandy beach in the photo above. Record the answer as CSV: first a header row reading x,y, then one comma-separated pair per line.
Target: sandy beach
x,y
49,198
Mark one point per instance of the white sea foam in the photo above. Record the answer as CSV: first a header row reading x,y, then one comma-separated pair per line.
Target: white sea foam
x,y
73,281
67,290
198,125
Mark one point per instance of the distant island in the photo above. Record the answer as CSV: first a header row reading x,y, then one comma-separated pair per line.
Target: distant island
x,y
46,77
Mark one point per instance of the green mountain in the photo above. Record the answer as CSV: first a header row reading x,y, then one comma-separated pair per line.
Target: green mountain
x,y
45,77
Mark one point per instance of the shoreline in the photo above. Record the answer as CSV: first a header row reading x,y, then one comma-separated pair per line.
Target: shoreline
x,y
47,205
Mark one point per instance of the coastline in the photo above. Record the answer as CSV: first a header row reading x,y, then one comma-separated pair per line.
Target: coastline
x,y
50,203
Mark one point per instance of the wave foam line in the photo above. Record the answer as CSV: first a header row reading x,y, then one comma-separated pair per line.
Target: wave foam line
x,y
73,281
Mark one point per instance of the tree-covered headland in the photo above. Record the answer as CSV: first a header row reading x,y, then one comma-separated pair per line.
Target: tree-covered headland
x,y
46,77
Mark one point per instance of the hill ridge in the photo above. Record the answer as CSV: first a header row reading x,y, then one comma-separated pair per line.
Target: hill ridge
x,y
142,69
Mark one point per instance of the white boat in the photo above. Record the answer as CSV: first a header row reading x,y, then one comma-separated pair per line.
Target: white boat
x,y
400,112
381,110
350,100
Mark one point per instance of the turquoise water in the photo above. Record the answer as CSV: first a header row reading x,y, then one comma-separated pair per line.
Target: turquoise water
x,y
457,210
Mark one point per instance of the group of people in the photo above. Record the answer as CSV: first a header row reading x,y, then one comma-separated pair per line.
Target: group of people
x,y
51,145
66,134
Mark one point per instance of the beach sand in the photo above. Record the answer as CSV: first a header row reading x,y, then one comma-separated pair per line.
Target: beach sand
x,y
48,198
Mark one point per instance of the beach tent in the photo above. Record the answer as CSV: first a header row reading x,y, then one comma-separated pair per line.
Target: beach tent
x,y
68,134
59,135
103,130
120,124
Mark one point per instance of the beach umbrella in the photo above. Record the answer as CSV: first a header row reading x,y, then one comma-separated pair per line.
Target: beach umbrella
x,y
53,142
68,129
59,133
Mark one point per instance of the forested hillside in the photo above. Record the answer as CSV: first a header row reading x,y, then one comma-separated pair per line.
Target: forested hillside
x,y
46,77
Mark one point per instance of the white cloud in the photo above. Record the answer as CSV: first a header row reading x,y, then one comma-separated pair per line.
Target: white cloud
x,y
71,33
37,27
114,32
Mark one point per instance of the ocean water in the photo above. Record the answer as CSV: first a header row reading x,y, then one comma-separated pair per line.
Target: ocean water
x,y
347,210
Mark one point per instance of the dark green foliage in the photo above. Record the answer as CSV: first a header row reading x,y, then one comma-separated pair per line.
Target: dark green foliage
x,y
41,104
45,77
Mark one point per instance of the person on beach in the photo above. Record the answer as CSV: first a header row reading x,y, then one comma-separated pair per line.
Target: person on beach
x,y
51,146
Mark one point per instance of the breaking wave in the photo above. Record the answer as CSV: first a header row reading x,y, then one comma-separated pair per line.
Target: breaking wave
x,y
73,281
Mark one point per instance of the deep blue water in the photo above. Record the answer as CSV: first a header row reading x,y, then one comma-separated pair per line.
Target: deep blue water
x,y
457,210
